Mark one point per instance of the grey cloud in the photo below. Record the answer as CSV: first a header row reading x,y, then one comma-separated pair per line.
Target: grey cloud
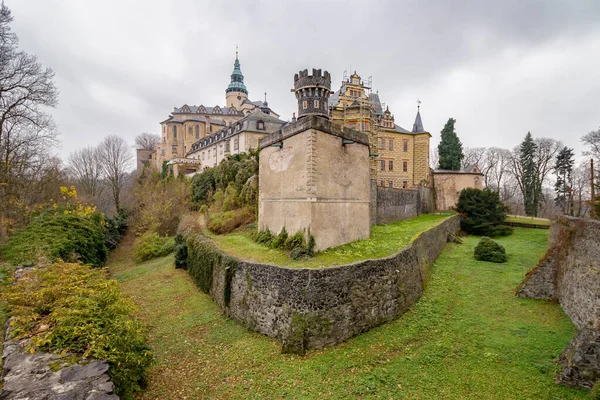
x,y
457,56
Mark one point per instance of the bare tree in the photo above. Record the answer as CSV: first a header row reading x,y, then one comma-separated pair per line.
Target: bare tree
x,y
473,156
85,167
434,159
581,189
27,131
116,160
592,140
147,141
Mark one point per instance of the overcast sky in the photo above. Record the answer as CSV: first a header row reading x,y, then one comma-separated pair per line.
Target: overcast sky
x,y
501,68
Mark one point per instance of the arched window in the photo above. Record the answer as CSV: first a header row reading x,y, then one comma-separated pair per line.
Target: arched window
x,y
197,131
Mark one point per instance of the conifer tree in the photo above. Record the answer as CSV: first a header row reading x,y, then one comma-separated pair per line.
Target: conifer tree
x,y
563,168
450,148
529,176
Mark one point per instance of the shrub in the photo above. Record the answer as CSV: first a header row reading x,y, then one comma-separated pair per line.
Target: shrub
x,y
228,221
265,237
160,203
482,212
501,230
115,228
73,308
488,250
296,240
595,392
151,245
298,252
279,240
50,236
203,185
181,251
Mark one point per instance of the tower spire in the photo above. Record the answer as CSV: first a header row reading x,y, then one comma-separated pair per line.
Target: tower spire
x,y
237,78
418,125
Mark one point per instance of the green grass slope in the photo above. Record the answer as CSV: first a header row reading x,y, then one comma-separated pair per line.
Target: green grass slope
x,y
469,337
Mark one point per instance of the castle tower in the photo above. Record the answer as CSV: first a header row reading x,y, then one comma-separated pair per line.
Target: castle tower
x,y
236,92
314,174
312,92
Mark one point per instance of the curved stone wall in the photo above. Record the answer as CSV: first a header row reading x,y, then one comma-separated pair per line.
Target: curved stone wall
x,y
310,308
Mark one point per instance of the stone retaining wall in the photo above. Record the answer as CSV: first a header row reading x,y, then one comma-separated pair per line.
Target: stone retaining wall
x,y
312,308
390,205
570,273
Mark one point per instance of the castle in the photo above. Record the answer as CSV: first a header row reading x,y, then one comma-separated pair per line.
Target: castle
x,y
199,137
188,125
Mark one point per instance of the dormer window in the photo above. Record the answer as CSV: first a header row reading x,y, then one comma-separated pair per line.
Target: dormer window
x,y
260,125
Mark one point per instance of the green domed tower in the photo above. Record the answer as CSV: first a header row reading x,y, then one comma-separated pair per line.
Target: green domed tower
x,y
236,92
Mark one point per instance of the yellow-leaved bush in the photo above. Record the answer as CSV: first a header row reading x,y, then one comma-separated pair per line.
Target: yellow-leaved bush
x,y
66,307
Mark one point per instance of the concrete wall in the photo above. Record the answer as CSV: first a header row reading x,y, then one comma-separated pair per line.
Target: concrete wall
x,y
449,185
315,183
570,273
313,308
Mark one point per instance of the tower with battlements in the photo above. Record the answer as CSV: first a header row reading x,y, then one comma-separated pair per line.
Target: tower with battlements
x,y
313,174
312,93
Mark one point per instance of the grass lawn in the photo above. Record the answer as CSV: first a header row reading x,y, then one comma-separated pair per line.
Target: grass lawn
x,y
469,337
385,240
528,220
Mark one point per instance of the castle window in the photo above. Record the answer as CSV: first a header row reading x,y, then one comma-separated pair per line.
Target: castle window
x,y
382,144
174,132
162,152
404,184
391,165
210,129
316,105
304,104
382,183
405,145
164,139
189,131
184,149
391,183
391,144
236,144
174,148
197,132
404,166
260,125
382,162
227,146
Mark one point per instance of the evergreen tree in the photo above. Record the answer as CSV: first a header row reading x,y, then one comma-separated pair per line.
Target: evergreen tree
x,y
450,148
529,175
563,168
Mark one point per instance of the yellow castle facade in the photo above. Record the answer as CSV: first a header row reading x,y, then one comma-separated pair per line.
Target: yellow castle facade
x,y
399,157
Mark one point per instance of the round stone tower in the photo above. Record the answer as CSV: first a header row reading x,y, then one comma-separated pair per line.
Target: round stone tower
x,y
312,92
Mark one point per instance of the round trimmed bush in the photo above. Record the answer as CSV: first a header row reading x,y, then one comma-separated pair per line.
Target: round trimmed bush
x,y
488,250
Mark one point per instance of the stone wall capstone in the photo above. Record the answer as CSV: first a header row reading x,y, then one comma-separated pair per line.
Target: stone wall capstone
x,y
310,308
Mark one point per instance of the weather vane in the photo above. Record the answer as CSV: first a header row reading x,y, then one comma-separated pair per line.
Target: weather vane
x,y
418,104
